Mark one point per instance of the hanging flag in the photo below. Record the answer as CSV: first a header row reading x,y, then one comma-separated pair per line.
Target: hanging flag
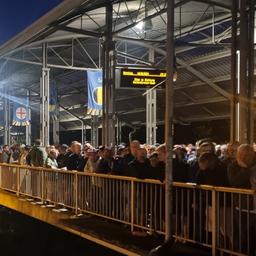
x,y
53,102
94,84
21,113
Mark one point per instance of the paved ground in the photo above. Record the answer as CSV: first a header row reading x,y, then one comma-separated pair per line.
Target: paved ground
x,y
121,235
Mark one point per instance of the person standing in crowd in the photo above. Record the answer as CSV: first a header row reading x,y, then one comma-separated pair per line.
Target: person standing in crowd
x,y
75,158
211,171
229,156
140,166
15,153
37,156
154,162
23,155
63,155
180,169
51,161
134,146
241,175
91,164
6,154
203,147
87,147
239,172
106,164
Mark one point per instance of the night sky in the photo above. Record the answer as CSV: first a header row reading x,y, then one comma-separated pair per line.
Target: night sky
x,y
16,15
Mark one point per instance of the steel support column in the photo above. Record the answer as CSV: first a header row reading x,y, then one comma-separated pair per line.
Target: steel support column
x,y
108,131
44,99
251,27
119,131
151,117
242,69
242,90
169,118
28,127
151,107
7,135
95,131
56,127
233,101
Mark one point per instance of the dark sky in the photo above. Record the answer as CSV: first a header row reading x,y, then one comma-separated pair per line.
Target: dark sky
x,y
16,15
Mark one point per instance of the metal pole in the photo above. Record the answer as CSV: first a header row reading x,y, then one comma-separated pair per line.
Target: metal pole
x,y
251,72
6,117
233,101
243,74
119,131
151,108
214,223
28,127
44,95
169,118
83,132
104,87
56,127
42,108
94,131
109,81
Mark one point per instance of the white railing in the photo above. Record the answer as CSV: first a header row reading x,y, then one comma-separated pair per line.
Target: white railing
x,y
222,219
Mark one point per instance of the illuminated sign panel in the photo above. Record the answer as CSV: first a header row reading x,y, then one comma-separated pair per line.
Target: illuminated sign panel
x,y
142,78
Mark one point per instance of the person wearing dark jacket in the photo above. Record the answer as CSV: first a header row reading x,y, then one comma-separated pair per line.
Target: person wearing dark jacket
x,y
203,147
140,167
228,156
180,169
75,158
211,171
63,155
106,164
37,154
131,154
239,172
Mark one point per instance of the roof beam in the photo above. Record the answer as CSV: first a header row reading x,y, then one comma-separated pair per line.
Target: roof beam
x,y
162,11
210,57
204,78
50,65
79,31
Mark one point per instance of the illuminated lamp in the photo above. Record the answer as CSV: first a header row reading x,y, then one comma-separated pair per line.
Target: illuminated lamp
x,y
175,76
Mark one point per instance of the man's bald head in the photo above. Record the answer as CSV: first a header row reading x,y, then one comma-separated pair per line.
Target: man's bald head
x,y
134,146
245,156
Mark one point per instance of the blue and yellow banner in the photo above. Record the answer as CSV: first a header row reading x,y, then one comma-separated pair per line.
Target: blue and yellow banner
x,y
21,113
95,95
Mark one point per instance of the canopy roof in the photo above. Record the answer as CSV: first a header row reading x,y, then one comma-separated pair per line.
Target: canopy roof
x,y
74,31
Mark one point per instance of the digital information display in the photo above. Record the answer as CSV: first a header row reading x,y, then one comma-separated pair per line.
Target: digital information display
x,y
141,78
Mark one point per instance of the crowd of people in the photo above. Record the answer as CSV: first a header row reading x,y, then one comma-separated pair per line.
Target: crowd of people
x,y
205,163
227,165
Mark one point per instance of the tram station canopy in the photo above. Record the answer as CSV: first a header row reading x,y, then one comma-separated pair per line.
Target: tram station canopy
x,y
74,32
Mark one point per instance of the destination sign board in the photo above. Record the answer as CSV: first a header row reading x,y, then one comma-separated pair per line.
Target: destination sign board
x,y
142,78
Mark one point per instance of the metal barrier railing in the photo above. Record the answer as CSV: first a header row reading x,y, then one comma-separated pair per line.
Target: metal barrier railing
x,y
222,219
